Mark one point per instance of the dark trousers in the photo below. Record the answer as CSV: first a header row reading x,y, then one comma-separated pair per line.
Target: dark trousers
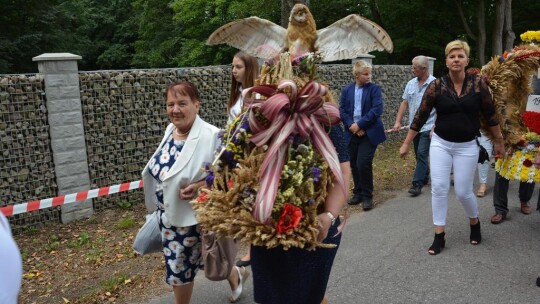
x,y
362,152
500,193
421,143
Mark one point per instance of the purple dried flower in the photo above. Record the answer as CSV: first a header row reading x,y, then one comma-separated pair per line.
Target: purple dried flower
x,y
316,172
210,179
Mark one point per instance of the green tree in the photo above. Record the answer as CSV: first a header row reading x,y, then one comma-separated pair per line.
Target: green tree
x,y
198,19
27,29
159,38
119,34
104,32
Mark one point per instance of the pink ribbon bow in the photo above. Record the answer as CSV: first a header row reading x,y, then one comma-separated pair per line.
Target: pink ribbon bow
x,y
303,114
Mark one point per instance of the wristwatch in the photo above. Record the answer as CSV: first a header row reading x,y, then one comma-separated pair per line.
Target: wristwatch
x,y
331,216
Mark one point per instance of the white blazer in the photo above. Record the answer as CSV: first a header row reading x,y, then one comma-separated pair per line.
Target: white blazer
x,y
198,150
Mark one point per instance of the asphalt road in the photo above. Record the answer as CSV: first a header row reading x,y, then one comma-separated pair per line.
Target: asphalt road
x,y
383,257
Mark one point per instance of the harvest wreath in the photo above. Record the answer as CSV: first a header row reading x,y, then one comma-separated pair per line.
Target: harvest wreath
x,y
509,78
271,173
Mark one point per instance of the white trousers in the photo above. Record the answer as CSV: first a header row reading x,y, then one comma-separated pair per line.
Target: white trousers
x,y
483,169
463,157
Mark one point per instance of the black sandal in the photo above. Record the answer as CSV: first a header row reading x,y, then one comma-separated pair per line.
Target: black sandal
x,y
438,244
476,235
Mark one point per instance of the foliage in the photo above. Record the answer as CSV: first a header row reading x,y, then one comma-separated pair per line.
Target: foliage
x,y
421,32
121,34
112,283
126,223
159,37
102,32
124,204
198,19
27,29
82,239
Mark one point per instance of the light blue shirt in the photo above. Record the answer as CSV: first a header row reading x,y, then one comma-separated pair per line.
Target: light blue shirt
x,y
413,95
357,114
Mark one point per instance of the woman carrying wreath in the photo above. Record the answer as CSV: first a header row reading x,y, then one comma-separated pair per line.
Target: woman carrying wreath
x,y
279,182
298,275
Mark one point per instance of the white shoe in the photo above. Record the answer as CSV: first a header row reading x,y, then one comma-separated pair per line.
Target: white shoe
x,y
243,275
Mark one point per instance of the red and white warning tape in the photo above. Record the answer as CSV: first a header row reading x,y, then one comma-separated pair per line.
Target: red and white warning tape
x,y
69,198
82,196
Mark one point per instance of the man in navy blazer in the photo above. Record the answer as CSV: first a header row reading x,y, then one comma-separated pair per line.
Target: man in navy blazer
x,y
361,107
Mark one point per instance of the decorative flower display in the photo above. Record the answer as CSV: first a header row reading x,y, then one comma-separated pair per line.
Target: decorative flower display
x,y
518,166
532,121
273,167
530,36
509,79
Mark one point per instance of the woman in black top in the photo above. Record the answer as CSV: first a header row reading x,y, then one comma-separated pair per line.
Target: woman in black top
x,y
459,100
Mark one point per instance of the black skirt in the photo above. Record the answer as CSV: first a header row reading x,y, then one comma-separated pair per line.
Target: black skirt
x,y
295,276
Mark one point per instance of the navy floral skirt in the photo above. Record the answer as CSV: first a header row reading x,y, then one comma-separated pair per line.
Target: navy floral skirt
x,y
182,251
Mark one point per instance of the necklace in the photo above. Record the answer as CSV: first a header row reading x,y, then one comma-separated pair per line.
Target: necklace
x,y
181,134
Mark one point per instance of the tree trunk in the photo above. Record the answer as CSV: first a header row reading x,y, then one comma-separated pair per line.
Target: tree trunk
x,y
286,7
496,36
481,38
374,8
468,30
508,34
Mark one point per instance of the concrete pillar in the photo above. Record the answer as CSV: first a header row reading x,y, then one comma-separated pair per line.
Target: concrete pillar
x,y
64,111
366,57
431,64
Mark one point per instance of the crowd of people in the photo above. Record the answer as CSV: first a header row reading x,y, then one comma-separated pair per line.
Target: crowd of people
x,y
444,128
444,120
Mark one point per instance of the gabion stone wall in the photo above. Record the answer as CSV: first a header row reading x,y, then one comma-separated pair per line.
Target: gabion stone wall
x,y
125,115
27,169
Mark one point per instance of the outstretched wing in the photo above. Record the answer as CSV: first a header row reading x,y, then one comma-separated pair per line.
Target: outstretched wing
x,y
350,37
255,36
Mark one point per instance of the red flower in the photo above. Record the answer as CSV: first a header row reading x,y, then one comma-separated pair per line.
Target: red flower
x,y
289,218
472,71
527,163
230,183
532,121
202,198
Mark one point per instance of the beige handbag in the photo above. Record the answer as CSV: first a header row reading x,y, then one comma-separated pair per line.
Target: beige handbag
x,y
218,255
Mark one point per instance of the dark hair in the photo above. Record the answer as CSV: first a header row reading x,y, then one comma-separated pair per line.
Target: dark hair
x,y
185,88
252,70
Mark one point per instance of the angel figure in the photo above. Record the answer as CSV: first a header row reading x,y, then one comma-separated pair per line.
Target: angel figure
x,y
346,38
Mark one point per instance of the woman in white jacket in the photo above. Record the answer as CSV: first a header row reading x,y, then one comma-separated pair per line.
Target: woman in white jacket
x,y
172,178
10,264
